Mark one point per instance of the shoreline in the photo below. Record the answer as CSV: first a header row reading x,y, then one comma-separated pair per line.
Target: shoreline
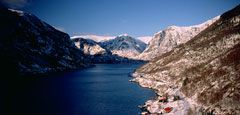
x,y
169,100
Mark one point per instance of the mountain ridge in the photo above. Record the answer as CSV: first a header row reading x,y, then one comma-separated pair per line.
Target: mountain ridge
x,y
165,40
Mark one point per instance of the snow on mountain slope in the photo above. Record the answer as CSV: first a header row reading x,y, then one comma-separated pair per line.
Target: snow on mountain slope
x,y
145,39
88,46
124,45
165,40
96,38
99,38
97,54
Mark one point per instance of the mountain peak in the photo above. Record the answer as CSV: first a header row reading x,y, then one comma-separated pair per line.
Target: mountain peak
x,y
125,34
125,46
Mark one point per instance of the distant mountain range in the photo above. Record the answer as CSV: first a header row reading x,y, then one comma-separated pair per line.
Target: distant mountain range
x,y
96,53
124,46
147,48
102,38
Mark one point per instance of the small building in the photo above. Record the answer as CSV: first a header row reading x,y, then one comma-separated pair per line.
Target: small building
x,y
168,109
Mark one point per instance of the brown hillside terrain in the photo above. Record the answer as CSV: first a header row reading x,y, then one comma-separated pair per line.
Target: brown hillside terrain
x,y
206,69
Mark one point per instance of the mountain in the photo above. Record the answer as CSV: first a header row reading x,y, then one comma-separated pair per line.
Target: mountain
x,y
201,76
31,46
96,38
124,46
88,46
145,39
165,40
97,54
100,38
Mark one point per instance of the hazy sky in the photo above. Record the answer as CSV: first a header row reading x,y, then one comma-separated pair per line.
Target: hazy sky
x,y
114,17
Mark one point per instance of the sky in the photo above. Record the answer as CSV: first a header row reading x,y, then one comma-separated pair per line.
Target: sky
x,y
115,17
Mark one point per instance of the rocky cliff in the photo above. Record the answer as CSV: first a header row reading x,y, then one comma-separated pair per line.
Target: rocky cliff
x,y
201,76
31,46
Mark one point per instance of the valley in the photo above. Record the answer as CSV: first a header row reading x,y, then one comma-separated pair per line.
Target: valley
x,y
182,70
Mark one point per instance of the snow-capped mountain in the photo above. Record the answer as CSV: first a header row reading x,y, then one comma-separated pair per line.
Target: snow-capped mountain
x,y
165,40
88,46
29,45
124,46
102,38
201,76
96,38
97,54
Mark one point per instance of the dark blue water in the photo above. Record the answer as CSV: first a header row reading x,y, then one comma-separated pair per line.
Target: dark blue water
x,y
101,90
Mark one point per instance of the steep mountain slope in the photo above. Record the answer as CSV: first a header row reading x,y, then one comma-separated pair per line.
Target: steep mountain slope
x,y
88,46
200,76
165,40
30,46
124,46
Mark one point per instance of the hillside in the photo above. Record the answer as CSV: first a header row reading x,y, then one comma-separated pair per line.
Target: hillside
x,y
203,73
31,46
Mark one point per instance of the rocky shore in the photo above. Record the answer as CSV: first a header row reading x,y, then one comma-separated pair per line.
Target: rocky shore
x,y
169,99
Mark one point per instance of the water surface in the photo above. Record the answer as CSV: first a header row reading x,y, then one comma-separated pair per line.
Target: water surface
x,y
100,90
